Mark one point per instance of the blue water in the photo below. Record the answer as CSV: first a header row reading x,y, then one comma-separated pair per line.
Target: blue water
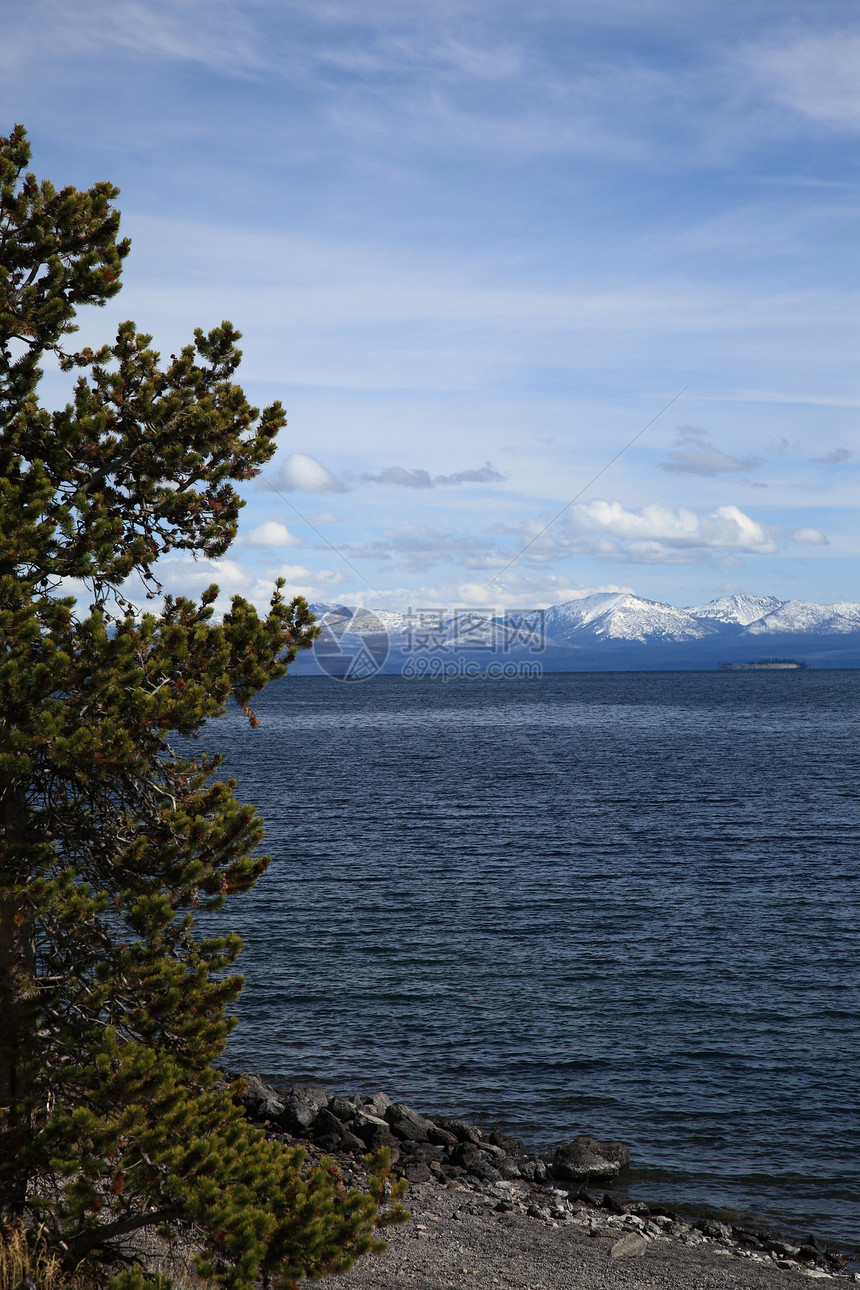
x,y
618,904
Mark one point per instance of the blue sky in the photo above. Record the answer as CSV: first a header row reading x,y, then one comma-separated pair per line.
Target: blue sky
x,y
474,250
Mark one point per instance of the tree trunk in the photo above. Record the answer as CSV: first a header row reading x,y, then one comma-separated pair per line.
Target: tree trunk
x,y
17,968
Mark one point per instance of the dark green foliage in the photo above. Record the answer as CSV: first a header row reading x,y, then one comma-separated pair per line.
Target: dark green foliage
x,y
112,1117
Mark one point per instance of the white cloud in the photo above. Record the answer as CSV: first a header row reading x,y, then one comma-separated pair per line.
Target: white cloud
x,y
270,533
664,529
325,517
516,590
302,473
182,575
809,537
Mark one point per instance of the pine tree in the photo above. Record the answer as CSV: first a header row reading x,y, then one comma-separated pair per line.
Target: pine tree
x,y
112,1115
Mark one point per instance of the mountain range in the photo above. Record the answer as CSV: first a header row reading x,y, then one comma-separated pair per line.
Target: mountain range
x,y
613,631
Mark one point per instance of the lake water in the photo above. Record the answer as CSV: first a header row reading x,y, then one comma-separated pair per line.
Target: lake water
x,y
617,904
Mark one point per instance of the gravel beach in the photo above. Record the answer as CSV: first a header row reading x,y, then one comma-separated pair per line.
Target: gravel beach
x,y
461,1240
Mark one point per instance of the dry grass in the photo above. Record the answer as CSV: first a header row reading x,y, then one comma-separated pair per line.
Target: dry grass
x,y
25,1261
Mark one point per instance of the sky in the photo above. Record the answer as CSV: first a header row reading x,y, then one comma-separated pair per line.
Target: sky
x,y
559,298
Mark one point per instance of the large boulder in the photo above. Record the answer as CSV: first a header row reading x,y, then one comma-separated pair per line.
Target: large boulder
x,y
373,1131
343,1109
331,1134
511,1146
586,1158
260,1100
302,1104
475,1161
378,1104
407,1124
462,1131
313,1094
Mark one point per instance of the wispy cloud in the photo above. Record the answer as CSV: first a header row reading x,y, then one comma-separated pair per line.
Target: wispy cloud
x,y
835,457
417,547
217,34
814,73
423,479
694,455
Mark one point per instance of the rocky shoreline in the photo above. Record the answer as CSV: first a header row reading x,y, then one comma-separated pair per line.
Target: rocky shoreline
x,y
497,1175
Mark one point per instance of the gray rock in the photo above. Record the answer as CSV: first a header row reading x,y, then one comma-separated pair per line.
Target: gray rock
x,y
331,1134
297,1117
612,1204
364,1117
510,1146
378,1104
374,1133
407,1124
587,1158
343,1109
301,1105
442,1137
715,1230
310,1094
467,1155
630,1246
494,1152
423,1151
533,1171
260,1100
462,1131
783,1249
476,1162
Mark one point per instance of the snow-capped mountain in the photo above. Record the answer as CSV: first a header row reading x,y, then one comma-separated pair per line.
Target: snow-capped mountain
x,y
847,609
621,616
613,630
798,617
737,609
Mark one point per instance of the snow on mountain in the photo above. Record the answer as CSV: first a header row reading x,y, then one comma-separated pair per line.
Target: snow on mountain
x,y
359,619
738,609
620,616
609,617
797,617
847,609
